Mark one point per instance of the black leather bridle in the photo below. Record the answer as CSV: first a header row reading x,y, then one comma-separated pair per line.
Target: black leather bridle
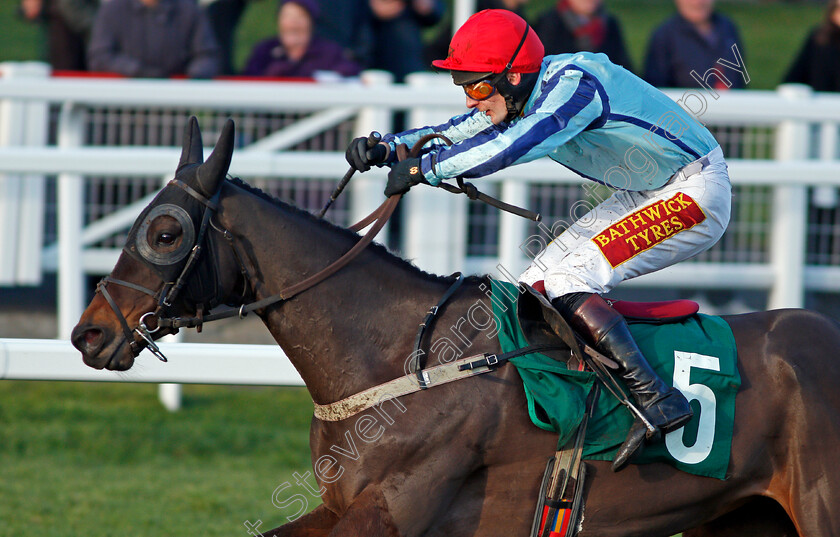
x,y
168,291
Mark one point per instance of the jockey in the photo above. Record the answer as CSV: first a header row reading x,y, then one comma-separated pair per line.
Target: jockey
x,y
672,194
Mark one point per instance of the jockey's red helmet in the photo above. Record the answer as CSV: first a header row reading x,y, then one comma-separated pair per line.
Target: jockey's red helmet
x,y
488,41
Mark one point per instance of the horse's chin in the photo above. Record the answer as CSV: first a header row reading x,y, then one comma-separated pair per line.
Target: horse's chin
x,y
114,357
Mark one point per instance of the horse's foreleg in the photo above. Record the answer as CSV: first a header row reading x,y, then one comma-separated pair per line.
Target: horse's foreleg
x,y
761,517
319,523
367,516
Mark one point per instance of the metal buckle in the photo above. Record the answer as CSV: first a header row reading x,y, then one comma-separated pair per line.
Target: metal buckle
x,y
492,359
146,334
423,379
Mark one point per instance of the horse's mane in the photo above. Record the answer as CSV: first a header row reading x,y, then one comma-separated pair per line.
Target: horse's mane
x,y
374,247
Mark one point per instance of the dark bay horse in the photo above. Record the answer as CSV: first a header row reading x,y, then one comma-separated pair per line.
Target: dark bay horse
x,y
460,459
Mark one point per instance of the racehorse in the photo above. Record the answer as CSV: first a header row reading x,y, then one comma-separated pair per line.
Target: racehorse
x,y
461,459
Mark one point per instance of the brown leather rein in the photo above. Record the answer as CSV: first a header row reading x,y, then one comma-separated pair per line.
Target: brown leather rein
x,y
167,292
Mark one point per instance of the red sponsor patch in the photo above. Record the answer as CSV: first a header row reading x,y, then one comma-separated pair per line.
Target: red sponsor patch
x,y
647,227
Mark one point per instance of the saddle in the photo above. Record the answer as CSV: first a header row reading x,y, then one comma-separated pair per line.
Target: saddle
x,y
560,499
542,324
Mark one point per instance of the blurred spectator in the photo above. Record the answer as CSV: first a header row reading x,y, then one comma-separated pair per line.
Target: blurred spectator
x,y
68,24
224,16
438,48
295,51
348,22
397,37
153,38
692,41
818,63
575,25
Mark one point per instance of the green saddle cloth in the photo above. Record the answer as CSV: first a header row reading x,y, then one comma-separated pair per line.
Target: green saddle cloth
x,y
698,356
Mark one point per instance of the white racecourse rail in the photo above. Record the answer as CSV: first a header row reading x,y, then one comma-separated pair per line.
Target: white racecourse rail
x,y
43,121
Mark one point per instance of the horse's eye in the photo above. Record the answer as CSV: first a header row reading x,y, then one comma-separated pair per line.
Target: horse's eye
x,y
165,239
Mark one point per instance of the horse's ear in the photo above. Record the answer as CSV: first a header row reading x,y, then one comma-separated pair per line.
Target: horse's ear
x,y
215,169
193,149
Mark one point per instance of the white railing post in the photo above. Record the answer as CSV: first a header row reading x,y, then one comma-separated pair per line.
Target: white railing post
x,y
71,276
462,10
22,123
789,213
435,226
366,188
512,228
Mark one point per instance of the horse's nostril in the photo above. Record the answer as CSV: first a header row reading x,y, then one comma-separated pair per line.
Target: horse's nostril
x,y
87,340
91,336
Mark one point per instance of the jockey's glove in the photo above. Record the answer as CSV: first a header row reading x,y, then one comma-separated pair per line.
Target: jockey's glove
x,y
361,157
403,176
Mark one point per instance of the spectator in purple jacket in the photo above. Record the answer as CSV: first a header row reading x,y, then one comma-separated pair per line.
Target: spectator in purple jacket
x,y
153,38
296,51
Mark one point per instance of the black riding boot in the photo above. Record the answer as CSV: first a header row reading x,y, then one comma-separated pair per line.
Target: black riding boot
x,y
606,330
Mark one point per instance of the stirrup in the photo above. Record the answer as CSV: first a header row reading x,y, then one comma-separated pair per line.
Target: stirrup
x,y
639,433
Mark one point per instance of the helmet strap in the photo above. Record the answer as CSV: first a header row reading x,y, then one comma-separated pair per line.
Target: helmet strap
x,y
509,65
515,96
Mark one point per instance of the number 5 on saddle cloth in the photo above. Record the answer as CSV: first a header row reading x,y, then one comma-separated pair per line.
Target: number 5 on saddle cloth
x,y
696,355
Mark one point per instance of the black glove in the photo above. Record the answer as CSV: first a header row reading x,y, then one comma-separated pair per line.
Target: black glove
x,y
361,157
404,175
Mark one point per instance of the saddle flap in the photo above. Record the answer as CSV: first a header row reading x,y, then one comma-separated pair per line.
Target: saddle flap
x,y
541,324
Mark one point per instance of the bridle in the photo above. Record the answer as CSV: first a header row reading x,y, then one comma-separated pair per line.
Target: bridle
x,y
165,296
169,291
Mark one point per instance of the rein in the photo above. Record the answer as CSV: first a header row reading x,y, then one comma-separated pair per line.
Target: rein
x,y
380,215
166,295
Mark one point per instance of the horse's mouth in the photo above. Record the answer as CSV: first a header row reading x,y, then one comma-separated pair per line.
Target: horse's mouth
x,y
119,359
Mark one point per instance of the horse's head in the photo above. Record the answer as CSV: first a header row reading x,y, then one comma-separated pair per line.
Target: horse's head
x,y
169,265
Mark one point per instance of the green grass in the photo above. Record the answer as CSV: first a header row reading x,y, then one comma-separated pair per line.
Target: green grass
x,y
90,459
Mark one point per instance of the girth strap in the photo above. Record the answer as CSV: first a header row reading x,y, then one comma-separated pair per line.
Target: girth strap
x,y
435,376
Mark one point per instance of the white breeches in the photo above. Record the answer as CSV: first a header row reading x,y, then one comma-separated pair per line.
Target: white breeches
x,y
634,233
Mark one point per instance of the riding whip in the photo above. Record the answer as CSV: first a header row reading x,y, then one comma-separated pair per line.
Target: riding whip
x,y
373,139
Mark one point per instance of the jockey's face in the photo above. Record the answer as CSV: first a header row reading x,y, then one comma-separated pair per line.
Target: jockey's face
x,y
494,106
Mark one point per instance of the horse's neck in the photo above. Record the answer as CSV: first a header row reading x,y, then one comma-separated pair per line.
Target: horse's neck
x,y
351,331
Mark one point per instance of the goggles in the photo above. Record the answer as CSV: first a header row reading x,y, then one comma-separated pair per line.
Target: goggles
x,y
484,89
478,91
